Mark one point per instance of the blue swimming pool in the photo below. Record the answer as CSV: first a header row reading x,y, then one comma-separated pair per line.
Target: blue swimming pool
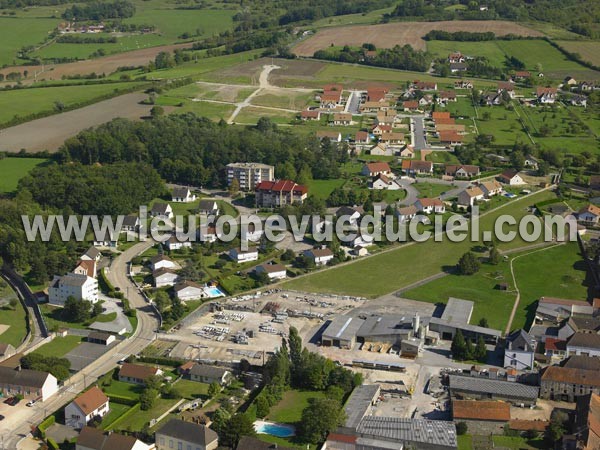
x,y
274,429
214,292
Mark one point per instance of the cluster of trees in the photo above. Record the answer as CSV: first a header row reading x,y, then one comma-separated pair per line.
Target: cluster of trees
x,y
108,189
76,39
310,10
192,150
295,367
461,36
463,350
59,367
80,310
171,308
399,57
96,10
579,16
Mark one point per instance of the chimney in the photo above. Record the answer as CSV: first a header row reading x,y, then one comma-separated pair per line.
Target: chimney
x,y
416,324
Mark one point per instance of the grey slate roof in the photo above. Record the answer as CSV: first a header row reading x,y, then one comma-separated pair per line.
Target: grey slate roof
x,y
203,370
92,252
23,377
520,340
432,432
189,432
587,340
343,328
582,362
73,279
458,310
359,403
493,387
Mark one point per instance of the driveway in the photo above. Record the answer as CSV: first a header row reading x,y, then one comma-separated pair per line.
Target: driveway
x,y
411,192
418,133
353,102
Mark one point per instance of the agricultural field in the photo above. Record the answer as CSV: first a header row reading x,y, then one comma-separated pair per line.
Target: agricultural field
x,y
13,169
25,102
251,114
401,33
18,32
285,99
588,50
372,17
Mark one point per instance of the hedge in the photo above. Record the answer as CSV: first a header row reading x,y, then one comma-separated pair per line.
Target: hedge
x,y
171,362
127,414
46,423
104,282
122,400
52,444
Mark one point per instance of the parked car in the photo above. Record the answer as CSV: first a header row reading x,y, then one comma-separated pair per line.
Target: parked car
x,y
1,417
31,403
12,401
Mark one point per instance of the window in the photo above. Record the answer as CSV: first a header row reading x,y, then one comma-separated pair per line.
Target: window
x,y
162,440
170,443
179,446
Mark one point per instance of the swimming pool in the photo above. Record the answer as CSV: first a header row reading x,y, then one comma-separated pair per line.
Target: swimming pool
x,y
274,429
214,292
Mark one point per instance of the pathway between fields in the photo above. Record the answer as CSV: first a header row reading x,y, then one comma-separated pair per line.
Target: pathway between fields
x,y
263,84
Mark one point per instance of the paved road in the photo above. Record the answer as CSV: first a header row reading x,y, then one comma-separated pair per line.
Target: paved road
x,y
18,424
353,103
419,133
411,192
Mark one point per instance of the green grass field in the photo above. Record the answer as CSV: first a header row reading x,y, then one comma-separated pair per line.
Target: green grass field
x,y
116,411
60,346
251,114
19,32
490,303
15,319
322,188
24,102
137,421
191,389
392,270
289,409
13,169
430,189
122,389
285,100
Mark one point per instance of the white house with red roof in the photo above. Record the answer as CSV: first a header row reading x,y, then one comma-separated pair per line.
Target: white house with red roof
x,y
373,169
92,403
430,205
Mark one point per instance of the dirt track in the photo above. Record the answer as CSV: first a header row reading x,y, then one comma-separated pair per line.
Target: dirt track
x,y
106,65
50,132
401,33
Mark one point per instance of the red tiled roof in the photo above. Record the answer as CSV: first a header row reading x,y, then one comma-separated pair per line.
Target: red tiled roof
x,y
480,410
378,167
336,437
428,202
286,186
450,136
137,371
91,400
545,90
440,115
313,113
445,121
527,425
361,136
333,87
411,104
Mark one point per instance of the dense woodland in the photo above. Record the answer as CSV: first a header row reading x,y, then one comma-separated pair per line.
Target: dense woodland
x,y
192,150
118,9
399,57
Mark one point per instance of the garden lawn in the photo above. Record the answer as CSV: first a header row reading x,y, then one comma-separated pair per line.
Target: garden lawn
x,y
289,409
60,346
555,272
191,389
322,188
13,169
122,389
17,325
430,190
116,411
137,421
394,269
518,443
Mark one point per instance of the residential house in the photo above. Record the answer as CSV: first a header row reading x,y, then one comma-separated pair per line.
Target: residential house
x,y
376,94
162,210
463,84
164,277
470,195
6,351
332,136
491,98
531,162
137,373
342,119
79,286
203,373
208,233
393,138
173,243
578,100
508,87
416,167
95,439
462,171
555,348
162,262
320,256
381,148
105,238
86,267
425,85
273,271
546,95
456,57
570,81
566,383
406,213
275,194
579,323
208,207
88,406
387,117
373,169
31,384
407,152
352,213
362,137
522,75
242,256
249,174
330,99
511,177
188,290
426,100
410,105
436,115
131,222
180,435
373,107
458,67
381,129
382,182
446,96
491,188
310,114
584,344
430,205
589,215
519,350
450,137
182,195
482,417
92,253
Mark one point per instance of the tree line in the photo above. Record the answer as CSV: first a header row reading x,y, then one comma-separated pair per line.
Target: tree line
x,y
117,9
399,57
